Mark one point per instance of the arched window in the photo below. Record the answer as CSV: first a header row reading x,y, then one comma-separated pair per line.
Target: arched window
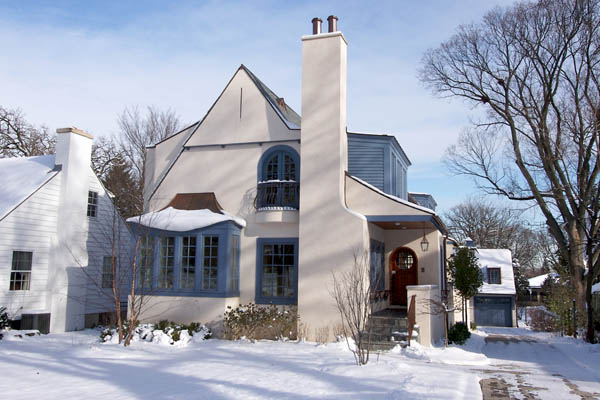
x,y
278,179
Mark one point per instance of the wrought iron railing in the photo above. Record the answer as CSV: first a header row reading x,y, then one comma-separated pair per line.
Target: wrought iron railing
x,y
277,195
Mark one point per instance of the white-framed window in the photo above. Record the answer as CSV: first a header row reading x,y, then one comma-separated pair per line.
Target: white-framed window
x,y
494,277
92,206
107,272
20,274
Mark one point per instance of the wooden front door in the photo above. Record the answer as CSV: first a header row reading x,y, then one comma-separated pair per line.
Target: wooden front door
x,y
403,272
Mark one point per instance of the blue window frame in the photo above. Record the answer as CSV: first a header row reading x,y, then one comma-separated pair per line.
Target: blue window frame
x,y
210,264
188,262
146,263
192,263
166,264
278,178
234,264
277,271
377,260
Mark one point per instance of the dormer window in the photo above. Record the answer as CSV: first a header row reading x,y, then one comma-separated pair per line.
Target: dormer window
x,y
494,276
92,206
278,179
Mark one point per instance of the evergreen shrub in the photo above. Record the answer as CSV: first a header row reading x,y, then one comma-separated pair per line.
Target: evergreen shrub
x,y
260,322
458,333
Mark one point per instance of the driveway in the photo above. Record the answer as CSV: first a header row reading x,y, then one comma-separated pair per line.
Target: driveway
x,y
525,365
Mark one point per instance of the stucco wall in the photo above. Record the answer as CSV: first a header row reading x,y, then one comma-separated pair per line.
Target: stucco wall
x,y
256,121
366,201
428,261
231,171
207,310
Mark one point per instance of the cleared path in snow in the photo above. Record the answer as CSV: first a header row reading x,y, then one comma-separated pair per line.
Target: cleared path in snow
x,y
530,366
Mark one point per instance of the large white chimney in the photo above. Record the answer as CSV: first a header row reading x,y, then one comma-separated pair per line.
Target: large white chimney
x,y
330,235
66,282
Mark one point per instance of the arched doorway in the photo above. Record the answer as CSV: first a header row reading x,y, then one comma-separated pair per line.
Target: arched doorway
x,y
403,272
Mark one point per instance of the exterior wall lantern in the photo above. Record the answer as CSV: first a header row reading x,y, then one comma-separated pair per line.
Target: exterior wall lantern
x,y
424,243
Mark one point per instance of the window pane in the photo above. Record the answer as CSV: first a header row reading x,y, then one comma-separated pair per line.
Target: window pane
x,y
167,262
107,273
188,262
21,260
92,207
210,263
20,276
146,262
278,270
234,263
272,168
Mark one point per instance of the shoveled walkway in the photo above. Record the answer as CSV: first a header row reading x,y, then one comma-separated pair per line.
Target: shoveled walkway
x,y
527,367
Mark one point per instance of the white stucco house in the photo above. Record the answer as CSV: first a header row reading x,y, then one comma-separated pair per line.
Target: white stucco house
x,y
254,203
56,223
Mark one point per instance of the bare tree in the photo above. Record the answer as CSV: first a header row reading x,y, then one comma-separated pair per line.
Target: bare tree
x,y
534,69
139,131
19,138
105,154
496,226
353,293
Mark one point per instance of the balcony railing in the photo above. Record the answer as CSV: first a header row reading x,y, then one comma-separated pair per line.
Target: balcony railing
x,y
279,195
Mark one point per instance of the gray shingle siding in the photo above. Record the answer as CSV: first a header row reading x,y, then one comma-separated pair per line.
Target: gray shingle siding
x,y
378,160
366,162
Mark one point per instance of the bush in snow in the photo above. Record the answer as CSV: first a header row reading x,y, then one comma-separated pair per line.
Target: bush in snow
x,y
4,321
257,322
164,332
541,319
458,333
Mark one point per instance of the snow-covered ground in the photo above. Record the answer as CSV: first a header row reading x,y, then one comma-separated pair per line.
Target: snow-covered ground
x,y
73,365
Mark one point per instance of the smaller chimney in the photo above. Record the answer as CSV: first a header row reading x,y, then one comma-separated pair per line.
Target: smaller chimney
x,y
316,25
332,19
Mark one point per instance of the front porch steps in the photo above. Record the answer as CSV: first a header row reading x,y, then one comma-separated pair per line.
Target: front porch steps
x,y
387,329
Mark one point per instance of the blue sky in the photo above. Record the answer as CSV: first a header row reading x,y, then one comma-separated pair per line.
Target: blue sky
x,y
72,63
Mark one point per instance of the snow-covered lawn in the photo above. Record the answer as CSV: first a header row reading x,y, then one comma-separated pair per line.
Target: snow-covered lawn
x,y
73,365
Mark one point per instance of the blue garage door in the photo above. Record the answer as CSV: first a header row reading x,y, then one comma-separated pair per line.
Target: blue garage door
x,y
493,311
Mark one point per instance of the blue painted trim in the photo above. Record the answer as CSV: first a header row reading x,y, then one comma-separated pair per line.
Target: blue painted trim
x,y
258,298
223,231
406,218
275,149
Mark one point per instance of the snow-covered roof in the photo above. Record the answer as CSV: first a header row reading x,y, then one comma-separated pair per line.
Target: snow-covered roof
x,y
21,177
537,281
497,258
172,219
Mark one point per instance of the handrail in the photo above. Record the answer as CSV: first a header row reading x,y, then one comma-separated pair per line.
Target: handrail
x,y
411,317
277,194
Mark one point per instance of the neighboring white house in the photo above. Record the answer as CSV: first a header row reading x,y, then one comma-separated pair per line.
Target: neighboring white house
x,y
56,224
291,199
536,283
495,305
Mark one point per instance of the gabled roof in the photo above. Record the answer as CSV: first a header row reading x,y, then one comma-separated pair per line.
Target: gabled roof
x,y
289,116
21,177
497,258
537,281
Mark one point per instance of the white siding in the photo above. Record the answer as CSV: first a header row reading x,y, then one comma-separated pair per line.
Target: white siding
x,y
100,244
30,227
